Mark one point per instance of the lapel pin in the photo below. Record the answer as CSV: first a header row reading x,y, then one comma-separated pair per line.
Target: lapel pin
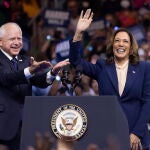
x,y
20,59
133,71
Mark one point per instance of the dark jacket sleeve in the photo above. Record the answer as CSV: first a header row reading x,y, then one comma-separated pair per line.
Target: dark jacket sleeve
x,y
39,80
12,78
76,60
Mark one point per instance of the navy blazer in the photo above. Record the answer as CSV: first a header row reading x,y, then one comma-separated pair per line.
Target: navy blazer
x,y
135,99
13,88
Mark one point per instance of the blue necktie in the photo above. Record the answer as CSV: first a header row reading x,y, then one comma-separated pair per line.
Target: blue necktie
x,y
15,63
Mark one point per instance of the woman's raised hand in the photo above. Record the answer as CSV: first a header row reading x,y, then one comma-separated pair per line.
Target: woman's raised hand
x,y
84,20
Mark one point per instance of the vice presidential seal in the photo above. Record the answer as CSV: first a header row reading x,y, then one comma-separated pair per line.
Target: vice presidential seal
x,y
69,122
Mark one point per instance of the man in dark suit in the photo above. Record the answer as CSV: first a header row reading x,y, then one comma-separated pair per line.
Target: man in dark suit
x,y
121,74
17,75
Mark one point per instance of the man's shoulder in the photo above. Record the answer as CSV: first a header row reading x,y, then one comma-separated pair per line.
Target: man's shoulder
x,y
24,57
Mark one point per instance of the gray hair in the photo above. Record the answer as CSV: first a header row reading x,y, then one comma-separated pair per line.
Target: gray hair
x,y
3,28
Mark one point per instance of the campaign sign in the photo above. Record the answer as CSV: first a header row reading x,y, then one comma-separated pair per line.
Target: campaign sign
x,y
139,33
56,18
62,50
97,25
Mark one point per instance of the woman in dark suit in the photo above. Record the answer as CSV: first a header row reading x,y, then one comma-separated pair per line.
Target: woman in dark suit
x,y
121,74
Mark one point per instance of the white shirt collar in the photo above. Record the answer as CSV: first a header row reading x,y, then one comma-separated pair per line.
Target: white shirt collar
x,y
122,66
7,55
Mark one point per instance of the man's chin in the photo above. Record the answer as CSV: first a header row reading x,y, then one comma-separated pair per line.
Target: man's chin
x,y
15,53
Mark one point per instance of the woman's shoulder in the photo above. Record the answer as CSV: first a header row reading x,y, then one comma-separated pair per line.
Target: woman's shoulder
x,y
101,61
104,63
146,63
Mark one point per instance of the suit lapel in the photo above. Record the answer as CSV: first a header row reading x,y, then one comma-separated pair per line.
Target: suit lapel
x,y
111,70
23,62
131,76
6,61
20,63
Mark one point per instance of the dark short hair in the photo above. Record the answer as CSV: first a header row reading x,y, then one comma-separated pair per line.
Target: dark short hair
x,y
133,57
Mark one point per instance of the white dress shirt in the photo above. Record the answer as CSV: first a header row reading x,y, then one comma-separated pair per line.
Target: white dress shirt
x,y
122,75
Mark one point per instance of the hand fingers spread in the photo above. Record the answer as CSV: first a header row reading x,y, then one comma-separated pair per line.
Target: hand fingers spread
x,y
66,59
66,62
81,15
91,17
140,146
44,64
87,14
136,146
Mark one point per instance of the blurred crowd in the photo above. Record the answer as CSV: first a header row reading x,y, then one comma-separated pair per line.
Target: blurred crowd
x,y
49,42
46,142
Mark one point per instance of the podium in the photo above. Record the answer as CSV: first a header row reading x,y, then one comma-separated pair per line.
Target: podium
x,y
107,123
